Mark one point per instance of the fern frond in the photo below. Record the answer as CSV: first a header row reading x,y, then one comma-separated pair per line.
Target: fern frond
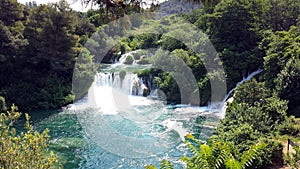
x,y
203,165
165,164
150,167
249,156
193,149
233,164
222,157
205,151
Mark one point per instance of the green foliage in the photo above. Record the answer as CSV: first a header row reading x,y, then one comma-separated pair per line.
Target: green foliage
x,y
150,167
290,126
122,74
234,37
48,92
170,43
292,159
254,115
112,10
27,149
176,62
11,11
11,35
50,32
216,155
96,18
144,41
84,73
39,51
279,15
282,66
144,61
139,53
165,164
256,106
236,28
129,60
219,154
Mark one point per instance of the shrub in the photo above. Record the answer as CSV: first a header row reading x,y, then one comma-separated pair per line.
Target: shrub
x,y
144,61
27,149
139,53
129,60
122,74
289,126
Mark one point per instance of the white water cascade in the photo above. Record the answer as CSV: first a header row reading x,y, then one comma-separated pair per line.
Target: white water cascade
x,y
108,89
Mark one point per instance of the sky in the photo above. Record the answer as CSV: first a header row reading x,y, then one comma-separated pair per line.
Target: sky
x,y
75,4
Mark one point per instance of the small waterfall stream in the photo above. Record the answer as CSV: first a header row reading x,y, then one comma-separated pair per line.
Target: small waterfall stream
x,y
258,71
251,75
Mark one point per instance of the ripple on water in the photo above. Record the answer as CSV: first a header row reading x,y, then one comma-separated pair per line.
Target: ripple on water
x,y
75,133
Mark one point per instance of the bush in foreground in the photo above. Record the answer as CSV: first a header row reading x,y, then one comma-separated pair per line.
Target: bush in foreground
x,y
27,149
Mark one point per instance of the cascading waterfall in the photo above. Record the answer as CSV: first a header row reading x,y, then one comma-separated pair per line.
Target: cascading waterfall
x,y
109,86
131,84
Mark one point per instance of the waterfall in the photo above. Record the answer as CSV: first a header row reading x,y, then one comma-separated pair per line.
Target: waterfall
x,y
109,86
223,110
130,85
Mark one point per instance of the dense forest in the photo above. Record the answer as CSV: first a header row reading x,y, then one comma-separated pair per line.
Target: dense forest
x,y
45,47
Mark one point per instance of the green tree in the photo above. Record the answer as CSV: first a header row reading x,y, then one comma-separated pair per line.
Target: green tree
x,y
281,15
84,74
256,113
114,9
207,3
257,106
51,34
41,71
11,11
27,149
288,85
231,27
11,36
282,66
170,43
